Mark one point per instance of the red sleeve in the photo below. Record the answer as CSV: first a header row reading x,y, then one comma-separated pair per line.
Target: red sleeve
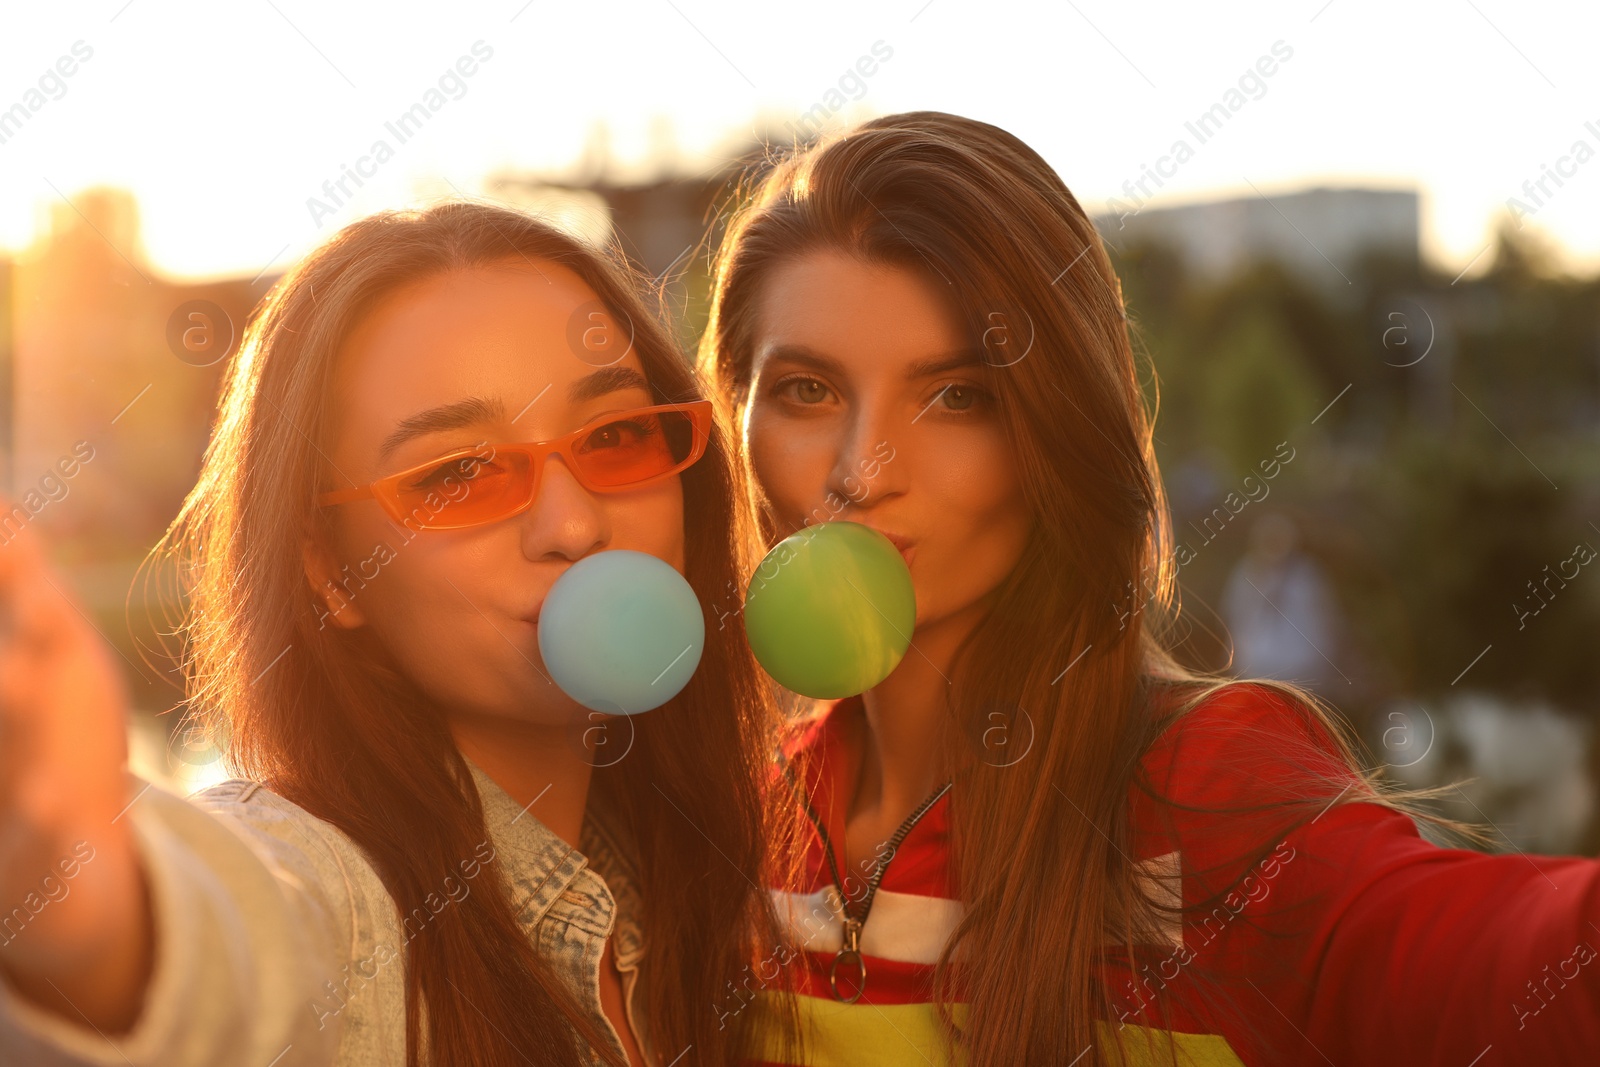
x,y
1349,939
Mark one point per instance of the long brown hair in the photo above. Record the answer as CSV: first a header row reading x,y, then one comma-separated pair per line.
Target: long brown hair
x,y
324,717
1042,849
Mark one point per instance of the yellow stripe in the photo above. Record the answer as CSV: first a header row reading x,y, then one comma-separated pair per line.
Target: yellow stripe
x,y
1148,1047
845,1035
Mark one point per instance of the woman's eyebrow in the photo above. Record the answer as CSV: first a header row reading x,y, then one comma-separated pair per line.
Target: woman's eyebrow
x,y
476,409
468,412
608,380
927,368
922,368
803,356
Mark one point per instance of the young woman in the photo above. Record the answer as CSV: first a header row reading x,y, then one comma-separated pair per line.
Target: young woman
x,y
436,856
1040,840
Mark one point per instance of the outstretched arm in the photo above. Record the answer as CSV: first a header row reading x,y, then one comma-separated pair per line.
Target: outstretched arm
x,y
76,932
1343,937
136,927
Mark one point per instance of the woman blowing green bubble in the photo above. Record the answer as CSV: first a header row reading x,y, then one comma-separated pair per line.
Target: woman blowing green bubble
x,y
435,855
1040,840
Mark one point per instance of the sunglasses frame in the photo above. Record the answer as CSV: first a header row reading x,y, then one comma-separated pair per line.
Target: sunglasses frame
x,y
386,489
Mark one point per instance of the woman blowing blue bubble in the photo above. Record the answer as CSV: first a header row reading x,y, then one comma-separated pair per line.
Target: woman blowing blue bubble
x,y
1040,839
435,855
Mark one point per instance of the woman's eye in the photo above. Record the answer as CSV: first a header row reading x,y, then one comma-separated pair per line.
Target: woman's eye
x,y
461,469
962,397
619,434
803,390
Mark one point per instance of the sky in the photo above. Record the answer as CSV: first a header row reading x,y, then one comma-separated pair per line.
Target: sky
x,y
226,120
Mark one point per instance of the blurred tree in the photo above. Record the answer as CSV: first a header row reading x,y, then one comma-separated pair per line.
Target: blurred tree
x,y
1256,391
1530,357
1462,526
1431,518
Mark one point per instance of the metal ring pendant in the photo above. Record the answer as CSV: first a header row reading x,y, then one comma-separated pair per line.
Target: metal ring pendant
x,y
861,972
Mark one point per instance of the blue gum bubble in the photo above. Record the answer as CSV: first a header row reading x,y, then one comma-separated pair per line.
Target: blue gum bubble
x,y
621,632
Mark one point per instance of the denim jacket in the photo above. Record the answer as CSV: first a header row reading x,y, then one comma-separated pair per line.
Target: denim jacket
x,y
276,943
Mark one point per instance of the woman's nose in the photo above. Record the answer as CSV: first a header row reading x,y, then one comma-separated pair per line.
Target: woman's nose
x,y
565,520
862,459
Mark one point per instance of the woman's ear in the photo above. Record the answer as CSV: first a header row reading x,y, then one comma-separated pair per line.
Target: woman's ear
x,y
331,600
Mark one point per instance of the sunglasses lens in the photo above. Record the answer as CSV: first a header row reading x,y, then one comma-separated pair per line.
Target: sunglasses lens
x,y
491,484
635,447
467,490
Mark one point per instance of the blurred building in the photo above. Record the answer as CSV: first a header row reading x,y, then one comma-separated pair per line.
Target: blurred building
x,y
108,353
109,376
660,222
1321,233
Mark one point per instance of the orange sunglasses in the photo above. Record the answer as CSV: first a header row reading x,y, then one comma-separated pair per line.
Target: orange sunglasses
x,y
610,454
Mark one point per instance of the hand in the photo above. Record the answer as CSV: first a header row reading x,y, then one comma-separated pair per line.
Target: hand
x,y
75,925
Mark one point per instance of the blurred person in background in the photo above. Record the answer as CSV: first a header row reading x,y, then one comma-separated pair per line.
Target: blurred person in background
x,y
1280,609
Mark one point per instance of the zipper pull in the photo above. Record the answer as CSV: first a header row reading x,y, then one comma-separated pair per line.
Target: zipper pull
x,y
850,955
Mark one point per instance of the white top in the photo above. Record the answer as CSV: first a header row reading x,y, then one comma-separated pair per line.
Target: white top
x,y
276,944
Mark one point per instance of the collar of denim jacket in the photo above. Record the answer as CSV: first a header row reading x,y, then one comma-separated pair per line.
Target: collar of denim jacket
x,y
610,851
539,865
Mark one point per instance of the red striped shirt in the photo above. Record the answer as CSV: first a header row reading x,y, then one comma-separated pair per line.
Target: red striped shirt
x,y
1360,942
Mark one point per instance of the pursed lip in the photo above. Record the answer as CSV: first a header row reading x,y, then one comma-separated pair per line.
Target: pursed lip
x,y
532,617
905,545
